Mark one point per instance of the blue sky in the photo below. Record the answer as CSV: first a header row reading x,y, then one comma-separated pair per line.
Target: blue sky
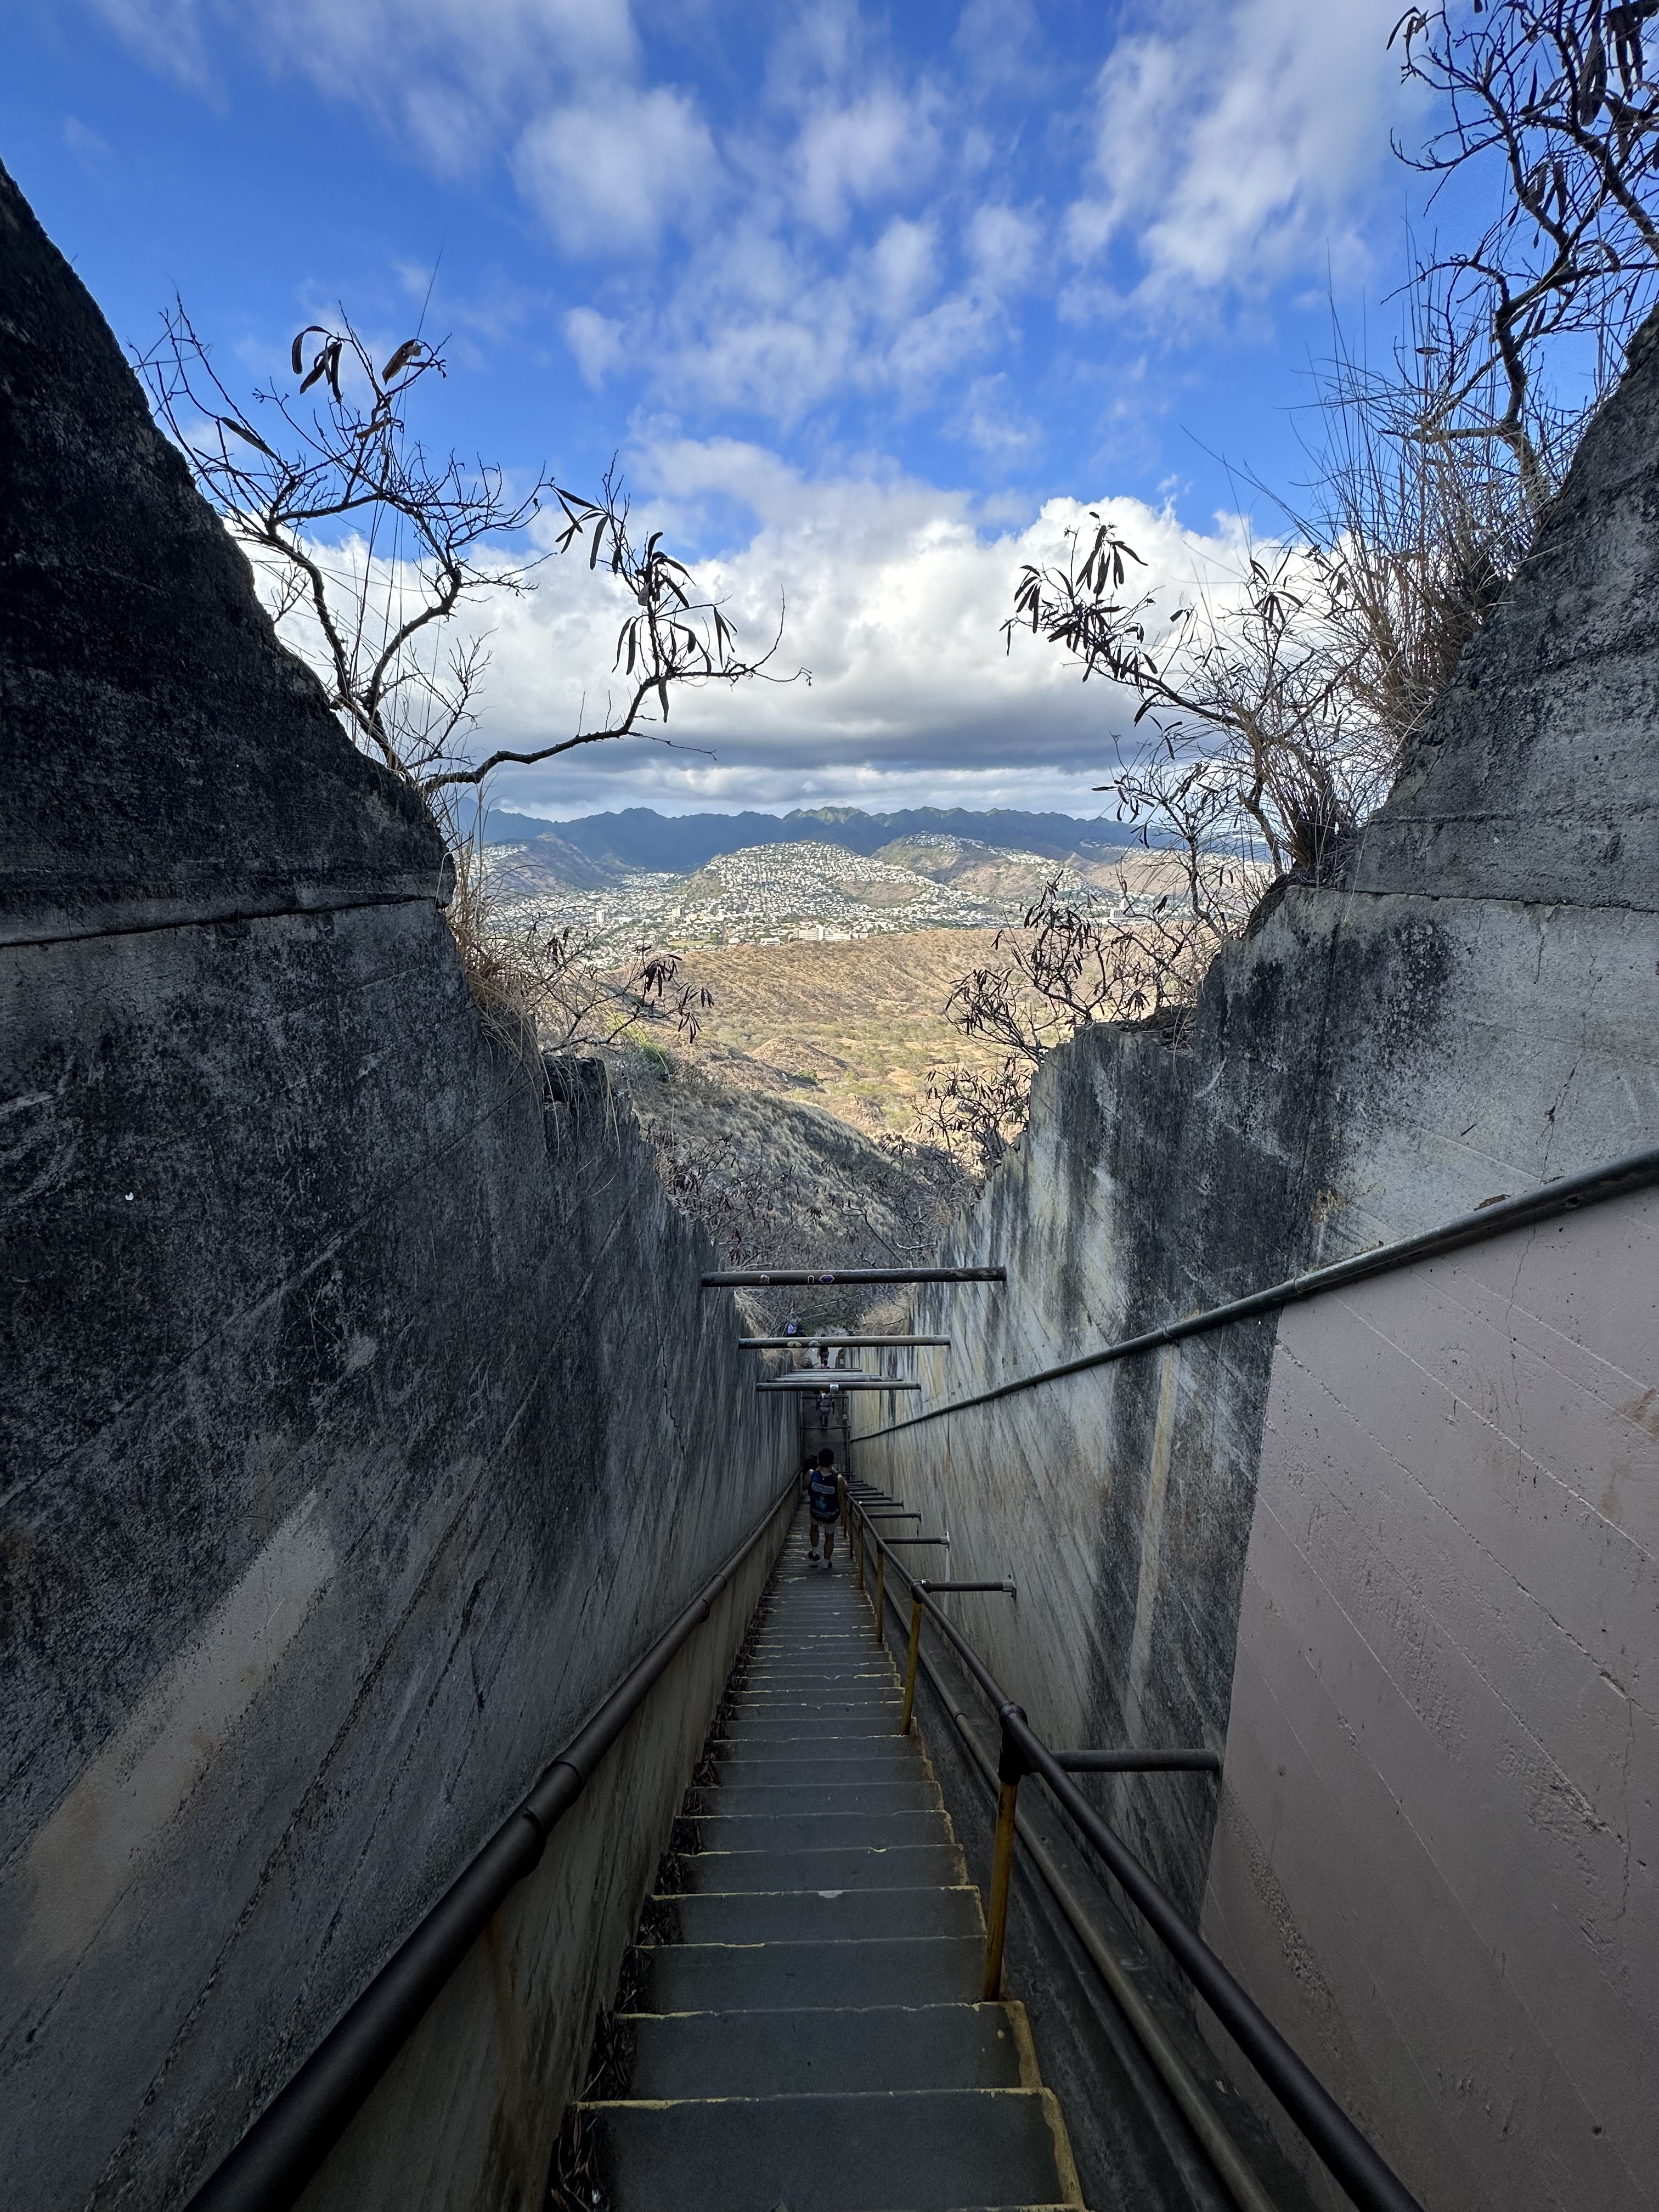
x,y
868,300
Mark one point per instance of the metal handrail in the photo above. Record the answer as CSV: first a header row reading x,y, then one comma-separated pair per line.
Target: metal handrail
x,y
1139,1762
1006,1588
270,2168
1368,2179
1495,1217
728,1279
1237,2175
835,1343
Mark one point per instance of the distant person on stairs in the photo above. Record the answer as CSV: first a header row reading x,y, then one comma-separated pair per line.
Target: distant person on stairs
x,y
824,1500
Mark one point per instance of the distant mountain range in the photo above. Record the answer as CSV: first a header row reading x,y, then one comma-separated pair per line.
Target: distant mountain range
x,y
598,846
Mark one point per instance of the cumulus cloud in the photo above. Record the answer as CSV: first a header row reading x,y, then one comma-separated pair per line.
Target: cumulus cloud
x,y
610,173
1237,148
893,594
843,243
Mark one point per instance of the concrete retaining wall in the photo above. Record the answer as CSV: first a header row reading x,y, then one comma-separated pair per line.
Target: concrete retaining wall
x,y
1473,1010
1442,1746
360,1418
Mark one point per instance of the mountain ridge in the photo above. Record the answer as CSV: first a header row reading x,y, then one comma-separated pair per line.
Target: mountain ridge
x,y
637,837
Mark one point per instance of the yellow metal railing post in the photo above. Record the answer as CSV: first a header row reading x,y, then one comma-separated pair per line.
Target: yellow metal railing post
x,y
881,1585
910,1665
1010,1767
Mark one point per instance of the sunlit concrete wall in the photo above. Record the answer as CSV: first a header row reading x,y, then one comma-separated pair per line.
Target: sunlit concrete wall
x,y
1435,1862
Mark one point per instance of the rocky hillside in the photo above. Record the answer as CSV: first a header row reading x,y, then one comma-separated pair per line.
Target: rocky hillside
x,y
775,1180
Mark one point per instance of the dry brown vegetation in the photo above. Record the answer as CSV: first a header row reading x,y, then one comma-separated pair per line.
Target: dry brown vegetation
x,y
851,1028
858,1028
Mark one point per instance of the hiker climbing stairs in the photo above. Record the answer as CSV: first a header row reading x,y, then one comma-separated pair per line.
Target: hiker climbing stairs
x,y
812,2036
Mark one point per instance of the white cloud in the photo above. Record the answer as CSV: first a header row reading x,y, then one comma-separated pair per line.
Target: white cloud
x,y
867,149
611,173
902,264
1239,149
596,341
896,593
1003,243
989,420
454,77
166,35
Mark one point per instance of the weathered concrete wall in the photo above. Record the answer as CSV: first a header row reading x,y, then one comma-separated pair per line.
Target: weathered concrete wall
x,y
360,1418
1444,1692
1471,1012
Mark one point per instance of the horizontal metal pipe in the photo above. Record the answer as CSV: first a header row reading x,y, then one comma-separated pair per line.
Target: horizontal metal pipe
x,y
270,2168
912,1541
1002,1589
1372,2183
845,1343
813,1381
726,1279
1594,1186
1139,1762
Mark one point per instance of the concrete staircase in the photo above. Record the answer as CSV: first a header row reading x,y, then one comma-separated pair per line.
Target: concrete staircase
x,y
809,2038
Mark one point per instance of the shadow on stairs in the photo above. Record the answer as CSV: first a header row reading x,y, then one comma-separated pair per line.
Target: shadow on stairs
x,y
802,2030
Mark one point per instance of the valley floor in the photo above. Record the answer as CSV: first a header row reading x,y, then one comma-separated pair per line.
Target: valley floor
x,y
852,1028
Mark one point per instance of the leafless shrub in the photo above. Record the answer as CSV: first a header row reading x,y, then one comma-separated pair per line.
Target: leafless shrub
x,y
1070,964
1271,707
975,1114
369,545
1256,746
366,543
1547,105
1416,533
558,991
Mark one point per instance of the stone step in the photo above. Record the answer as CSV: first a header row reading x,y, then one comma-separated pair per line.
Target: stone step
x,y
850,1793
810,1640
811,1686
855,1647
795,1759
811,1975
940,2150
815,1713
837,1867
886,2048
806,1832
843,1678
800,1723
818,1915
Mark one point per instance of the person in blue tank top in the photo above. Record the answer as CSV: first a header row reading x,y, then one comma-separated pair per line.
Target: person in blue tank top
x,y
824,1502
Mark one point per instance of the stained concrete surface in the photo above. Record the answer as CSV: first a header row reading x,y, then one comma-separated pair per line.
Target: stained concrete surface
x,y
1471,1009
360,1418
